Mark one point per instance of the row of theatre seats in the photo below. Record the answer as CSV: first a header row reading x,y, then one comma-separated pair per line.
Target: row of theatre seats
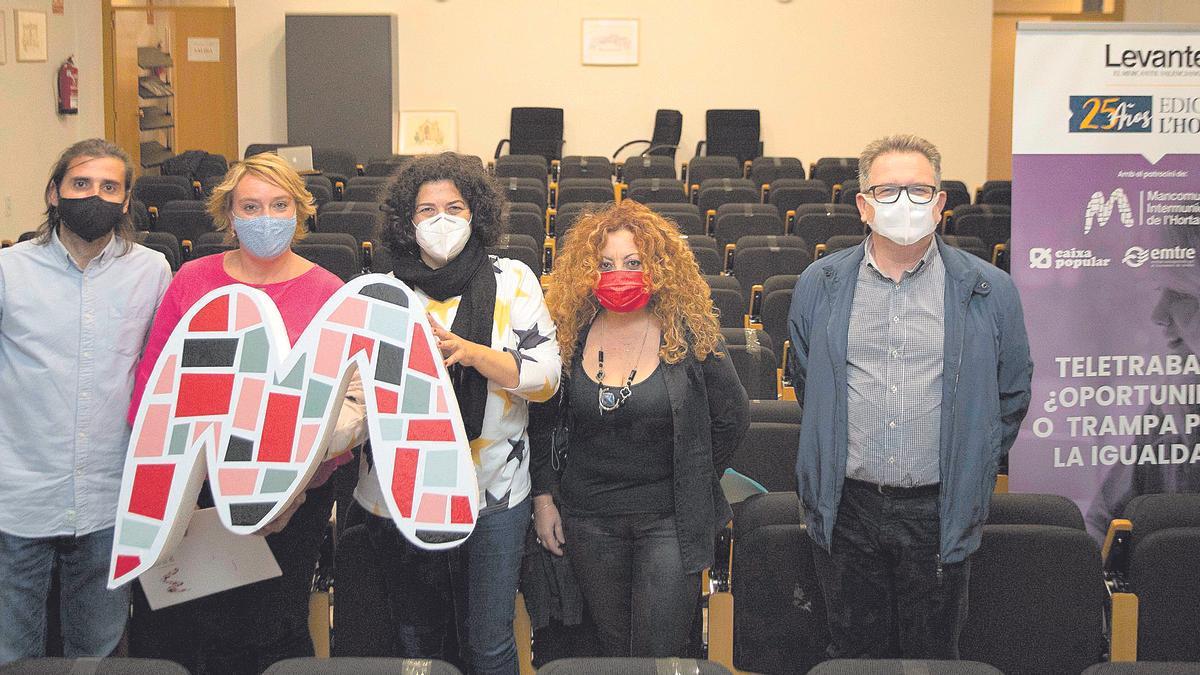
x,y
577,666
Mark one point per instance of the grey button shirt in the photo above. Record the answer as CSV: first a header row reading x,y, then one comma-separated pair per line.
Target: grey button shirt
x,y
894,373
69,343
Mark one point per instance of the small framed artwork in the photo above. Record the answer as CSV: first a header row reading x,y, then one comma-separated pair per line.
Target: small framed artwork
x,y
610,42
428,131
30,35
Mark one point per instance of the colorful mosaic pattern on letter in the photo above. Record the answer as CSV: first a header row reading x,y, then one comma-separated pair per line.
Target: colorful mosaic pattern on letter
x,y
228,399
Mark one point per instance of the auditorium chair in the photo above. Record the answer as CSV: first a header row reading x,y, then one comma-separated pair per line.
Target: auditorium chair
x,y
771,616
973,245
581,190
726,295
732,133
140,214
1037,600
685,216
524,189
360,666
521,166
991,224
632,666
534,131
648,166
770,303
524,218
957,194
156,191
995,192
1149,553
187,219
902,667
519,247
767,453
1034,509
817,228
1144,668
320,187
360,220
656,191
754,259
834,170
790,194
847,192
365,189
837,243
664,140
766,170
775,410
259,148
755,366
578,166
561,219
342,259
166,244
716,192
384,166
732,221
336,164
747,336
700,169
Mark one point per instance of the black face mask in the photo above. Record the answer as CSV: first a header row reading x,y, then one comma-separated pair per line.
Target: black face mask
x,y
89,217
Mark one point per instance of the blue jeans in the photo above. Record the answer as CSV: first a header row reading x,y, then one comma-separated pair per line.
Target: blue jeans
x,y
93,617
424,598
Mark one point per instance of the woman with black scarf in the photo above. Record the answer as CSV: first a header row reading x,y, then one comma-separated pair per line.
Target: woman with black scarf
x,y
496,336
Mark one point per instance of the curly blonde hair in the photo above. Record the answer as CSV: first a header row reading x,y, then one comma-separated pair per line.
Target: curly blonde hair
x,y
680,297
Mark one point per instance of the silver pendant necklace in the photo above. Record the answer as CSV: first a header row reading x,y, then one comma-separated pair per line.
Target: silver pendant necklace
x,y
611,398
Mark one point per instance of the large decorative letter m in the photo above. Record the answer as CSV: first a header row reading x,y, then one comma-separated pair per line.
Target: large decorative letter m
x,y
228,394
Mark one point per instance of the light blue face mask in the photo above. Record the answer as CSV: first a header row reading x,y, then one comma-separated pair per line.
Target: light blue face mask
x,y
265,236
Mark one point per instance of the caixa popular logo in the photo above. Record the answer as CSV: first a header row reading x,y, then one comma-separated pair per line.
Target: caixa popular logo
x,y
1112,114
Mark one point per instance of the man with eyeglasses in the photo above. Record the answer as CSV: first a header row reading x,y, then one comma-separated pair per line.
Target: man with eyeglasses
x,y
912,364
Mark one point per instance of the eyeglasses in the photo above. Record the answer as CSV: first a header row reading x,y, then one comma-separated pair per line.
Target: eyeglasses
x,y
888,194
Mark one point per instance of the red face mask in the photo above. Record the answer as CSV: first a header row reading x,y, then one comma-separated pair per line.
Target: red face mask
x,y
622,291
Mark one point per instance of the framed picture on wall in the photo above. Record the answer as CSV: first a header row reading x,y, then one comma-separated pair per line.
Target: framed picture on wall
x,y
30,35
610,42
428,131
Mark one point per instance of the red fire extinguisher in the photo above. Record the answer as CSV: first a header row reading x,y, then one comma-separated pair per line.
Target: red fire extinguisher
x,y
68,88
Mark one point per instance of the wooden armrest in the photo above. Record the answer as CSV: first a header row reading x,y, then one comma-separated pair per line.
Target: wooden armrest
x,y
819,251
710,221
1124,627
360,169
1117,538
720,629
552,195
789,222
729,251
996,251
754,315
694,193
1001,484
621,189
550,218
764,192
746,169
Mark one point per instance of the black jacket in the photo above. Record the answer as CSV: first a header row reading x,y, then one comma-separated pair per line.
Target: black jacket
x,y
710,411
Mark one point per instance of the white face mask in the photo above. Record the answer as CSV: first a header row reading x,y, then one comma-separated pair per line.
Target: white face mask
x,y
442,237
903,221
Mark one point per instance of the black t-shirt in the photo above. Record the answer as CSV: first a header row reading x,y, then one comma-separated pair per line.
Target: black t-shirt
x,y
620,462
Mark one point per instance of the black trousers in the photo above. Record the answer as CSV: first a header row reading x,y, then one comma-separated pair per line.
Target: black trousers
x,y
632,578
243,630
887,592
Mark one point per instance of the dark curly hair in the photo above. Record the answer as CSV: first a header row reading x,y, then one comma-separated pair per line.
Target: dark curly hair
x,y
399,197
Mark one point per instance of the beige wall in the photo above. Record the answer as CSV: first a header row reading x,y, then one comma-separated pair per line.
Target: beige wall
x,y
828,76
31,132
1162,11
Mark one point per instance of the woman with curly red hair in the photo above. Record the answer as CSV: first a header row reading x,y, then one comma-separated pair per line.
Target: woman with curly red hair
x,y
655,410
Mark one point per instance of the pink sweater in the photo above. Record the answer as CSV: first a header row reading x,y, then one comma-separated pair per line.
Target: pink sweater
x,y
298,300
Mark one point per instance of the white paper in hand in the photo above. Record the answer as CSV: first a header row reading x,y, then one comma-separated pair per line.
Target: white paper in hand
x,y
208,560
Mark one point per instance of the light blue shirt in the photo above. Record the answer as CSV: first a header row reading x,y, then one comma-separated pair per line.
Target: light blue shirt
x,y
70,340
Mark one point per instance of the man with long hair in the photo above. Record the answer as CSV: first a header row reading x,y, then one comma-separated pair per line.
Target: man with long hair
x,y
75,306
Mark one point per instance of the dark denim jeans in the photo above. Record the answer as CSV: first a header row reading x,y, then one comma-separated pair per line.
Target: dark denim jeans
x,y
426,591
244,630
633,582
93,617
887,592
